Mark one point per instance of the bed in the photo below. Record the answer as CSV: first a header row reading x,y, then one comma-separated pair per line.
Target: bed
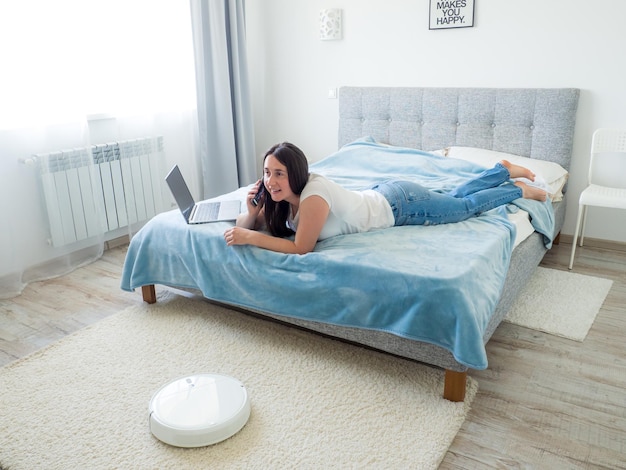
x,y
433,294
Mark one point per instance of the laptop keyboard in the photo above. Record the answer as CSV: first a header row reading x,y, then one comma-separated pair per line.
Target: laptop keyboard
x,y
207,211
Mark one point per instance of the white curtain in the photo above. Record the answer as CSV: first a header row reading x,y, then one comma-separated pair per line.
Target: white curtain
x,y
27,250
225,124
79,74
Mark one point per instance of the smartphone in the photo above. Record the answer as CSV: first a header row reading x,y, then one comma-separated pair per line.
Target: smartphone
x,y
258,195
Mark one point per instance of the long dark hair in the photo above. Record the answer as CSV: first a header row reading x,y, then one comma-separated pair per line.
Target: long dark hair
x,y
277,213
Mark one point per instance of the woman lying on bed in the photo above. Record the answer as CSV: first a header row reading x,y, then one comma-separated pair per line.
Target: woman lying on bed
x,y
315,208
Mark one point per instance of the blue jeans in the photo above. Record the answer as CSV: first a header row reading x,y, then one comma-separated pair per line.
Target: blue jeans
x,y
413,204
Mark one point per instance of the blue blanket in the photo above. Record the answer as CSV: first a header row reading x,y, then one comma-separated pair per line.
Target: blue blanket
x,y
438,284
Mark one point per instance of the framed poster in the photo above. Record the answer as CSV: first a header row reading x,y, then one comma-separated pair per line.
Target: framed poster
x,y
451,14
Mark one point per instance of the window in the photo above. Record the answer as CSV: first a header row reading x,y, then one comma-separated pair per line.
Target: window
x,y
70,58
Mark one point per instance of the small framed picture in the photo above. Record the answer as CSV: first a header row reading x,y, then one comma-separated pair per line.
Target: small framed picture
x,y
451,14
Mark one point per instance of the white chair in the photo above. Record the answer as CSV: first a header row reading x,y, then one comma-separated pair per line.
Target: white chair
x,y
605,142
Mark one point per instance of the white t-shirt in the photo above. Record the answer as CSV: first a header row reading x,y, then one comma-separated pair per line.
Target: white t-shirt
x,y
350,211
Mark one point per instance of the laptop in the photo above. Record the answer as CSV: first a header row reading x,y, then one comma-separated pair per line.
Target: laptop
x,y
204,211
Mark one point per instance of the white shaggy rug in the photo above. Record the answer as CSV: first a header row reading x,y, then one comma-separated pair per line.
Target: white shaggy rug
x,y
316,402
560,303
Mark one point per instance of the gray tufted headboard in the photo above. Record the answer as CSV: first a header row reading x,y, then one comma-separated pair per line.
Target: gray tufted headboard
x,y
531,122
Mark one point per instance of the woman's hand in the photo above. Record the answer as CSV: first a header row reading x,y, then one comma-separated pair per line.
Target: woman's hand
x,y
253,192
253,218
238,236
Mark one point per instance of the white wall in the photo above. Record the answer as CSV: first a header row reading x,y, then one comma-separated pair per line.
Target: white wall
x,y
534,43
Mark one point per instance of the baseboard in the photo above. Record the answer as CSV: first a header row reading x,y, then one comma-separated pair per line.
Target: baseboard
x,y
597,243
114,243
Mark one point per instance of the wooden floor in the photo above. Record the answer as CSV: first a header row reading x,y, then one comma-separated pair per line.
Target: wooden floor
x,y
551,403
544,402
48,310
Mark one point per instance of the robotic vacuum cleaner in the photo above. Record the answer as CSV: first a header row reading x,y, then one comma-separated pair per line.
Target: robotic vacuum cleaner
x,y
199,410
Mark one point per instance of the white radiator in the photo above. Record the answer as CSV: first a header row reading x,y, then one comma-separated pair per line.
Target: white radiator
x,y
103,188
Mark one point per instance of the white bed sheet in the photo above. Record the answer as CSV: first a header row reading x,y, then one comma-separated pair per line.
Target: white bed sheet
x,y
524,228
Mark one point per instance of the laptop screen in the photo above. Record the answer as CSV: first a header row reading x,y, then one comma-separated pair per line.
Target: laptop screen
x,y
180,191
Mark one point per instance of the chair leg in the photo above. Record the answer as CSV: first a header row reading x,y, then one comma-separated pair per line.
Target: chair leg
x,y
582,229
581,209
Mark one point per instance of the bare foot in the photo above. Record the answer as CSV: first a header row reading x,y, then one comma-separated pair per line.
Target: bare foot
x,y
517,171
530,192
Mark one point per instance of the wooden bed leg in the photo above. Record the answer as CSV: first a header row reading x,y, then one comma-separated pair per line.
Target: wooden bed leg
x,y
557,239
454,385
149,294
